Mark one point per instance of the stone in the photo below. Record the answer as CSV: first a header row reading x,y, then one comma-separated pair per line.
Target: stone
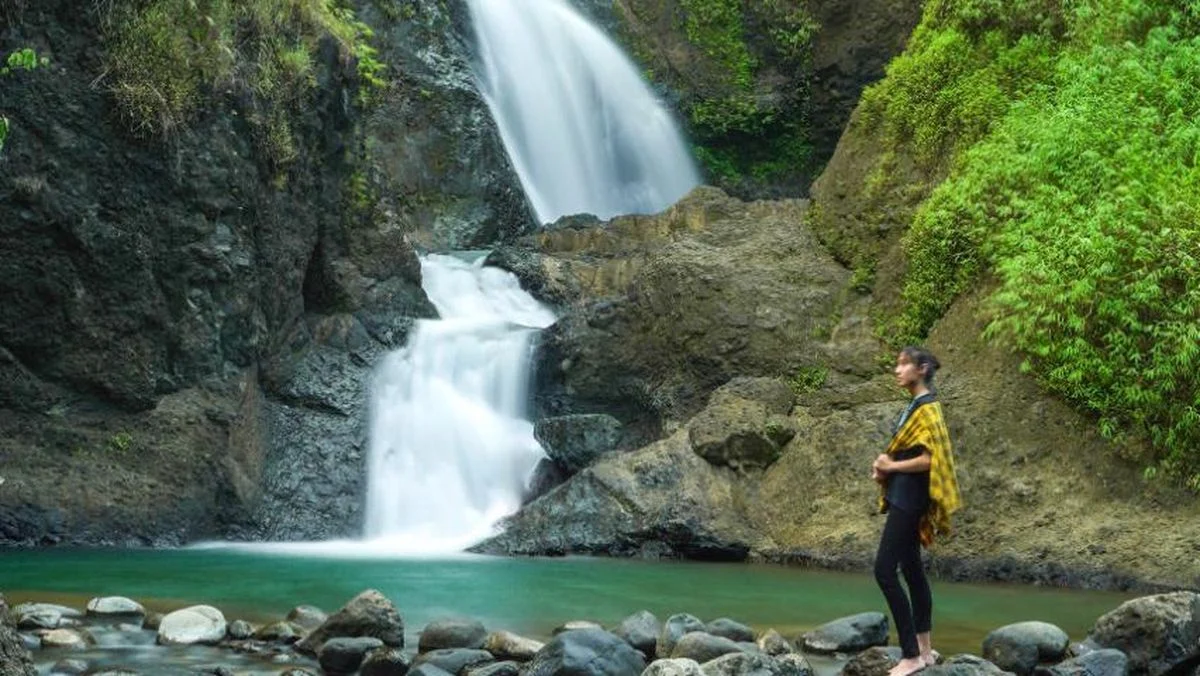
x,y
673,667
703,647
848,634
874,661
452,633
14,658
454,660
586,652
576,441
1021,646
343,655
283,632
794,664
428,669
965,665
152,620
307,618
739,432
368,614
1156,632
1102,662
505,668
640,630
505,645
385,661
547,475
42,615
734,631
114,605
572,625
195,624
772,643
69,667
70,639
240,630
676,627
748,664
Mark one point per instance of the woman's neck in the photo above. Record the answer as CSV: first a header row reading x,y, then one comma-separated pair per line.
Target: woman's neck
x,y
918,389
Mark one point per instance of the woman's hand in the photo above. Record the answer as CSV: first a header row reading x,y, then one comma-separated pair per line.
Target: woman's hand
x,y
883,465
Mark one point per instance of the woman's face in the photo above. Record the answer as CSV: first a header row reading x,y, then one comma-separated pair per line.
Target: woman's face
x,y
908,374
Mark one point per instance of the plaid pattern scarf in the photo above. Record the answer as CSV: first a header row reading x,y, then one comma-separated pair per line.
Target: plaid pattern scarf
x,y
925,427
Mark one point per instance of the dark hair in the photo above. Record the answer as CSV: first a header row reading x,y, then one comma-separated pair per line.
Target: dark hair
x,y
924,360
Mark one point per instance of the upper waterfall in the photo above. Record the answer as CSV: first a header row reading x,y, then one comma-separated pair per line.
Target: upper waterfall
x,y
584,132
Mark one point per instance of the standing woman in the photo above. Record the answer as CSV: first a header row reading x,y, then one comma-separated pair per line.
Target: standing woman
x,y
919,492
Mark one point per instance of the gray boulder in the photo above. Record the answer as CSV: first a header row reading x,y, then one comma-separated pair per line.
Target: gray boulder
x,y
428,669
505,668
793,664
586,652
385,661
1102,662
282,632
751,664
675,628
734,631
745,425
194,624
1020,647
848,634
115,605
505,645
1157,633
703,647
307,618
772,643
576,441
454,660
572,625
343,655
42,615
452,633
71,639
368,614
239,630
673,667
640,630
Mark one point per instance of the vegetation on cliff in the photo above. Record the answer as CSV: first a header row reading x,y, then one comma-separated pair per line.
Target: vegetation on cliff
x,y
1069,130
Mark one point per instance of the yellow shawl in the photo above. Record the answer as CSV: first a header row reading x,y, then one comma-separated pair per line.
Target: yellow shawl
x,y
925,427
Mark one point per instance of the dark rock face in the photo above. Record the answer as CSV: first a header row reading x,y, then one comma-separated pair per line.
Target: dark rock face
x,y
1157,633
576,441
586,652
14,658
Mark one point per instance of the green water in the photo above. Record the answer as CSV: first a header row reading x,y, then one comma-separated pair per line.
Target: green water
x,y
528,596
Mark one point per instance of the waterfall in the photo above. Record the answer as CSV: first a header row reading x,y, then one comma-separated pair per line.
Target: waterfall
x,y
451,449
584,132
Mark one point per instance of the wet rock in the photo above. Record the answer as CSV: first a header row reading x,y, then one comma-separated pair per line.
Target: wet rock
x,y
368,614
506,668
152,620
114,605
871,662
66,638
772,643
307,618
848,634
1157,633
586,652
343,655
1103,662
576,441
965,665
240,630
69,667
640,630
748,664
454,660
794,664
546,476
506,645
1020,647
43,615
673,667
195,624
385,661
284,632
676,627
703,647
452,633
730,629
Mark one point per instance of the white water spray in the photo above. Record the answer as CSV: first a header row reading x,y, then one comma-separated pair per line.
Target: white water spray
x,y
451,450
584,132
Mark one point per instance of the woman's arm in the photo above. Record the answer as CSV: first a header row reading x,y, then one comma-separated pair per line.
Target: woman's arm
x,y
885,464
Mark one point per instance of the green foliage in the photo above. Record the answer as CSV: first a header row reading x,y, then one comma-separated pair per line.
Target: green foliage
x,y
717,27
808,379
3,131
1081,202
167,57
23,59
119,443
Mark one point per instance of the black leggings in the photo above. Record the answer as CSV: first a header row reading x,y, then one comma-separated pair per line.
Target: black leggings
x,y
901,546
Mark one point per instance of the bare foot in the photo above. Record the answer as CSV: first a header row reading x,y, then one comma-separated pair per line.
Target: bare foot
x,y
906,666
931,658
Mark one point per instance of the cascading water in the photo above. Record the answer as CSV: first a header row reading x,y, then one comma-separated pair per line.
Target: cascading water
x,y
450,447
584,132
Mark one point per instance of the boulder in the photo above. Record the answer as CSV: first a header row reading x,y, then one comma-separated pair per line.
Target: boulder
x,y
673,667
66,638
505,645
368,614
14,658
283,632
1020,647
428,669
1157,633
505,668
965,665
42,615
744,426
793,664
576,441
874,661
114,605
675,628
240,630
454,660
734,631
195,624
1102,662
752,664
772,643
640,630
703,647
342,655
385,661
586,652
307,618
452,633
848,634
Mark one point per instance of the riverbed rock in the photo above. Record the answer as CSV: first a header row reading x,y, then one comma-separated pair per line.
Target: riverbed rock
x,y
586,652
385,661
282,631
754,664
1102,662
576,441
454,660
731,629
69,667
43,615
342,655
1020,647
505,668
114,605
964,665
673,667
641,631
875,661
1157,632
195,624
368,614
703,647
240,630
505,645
676,627
773,643
452,633
848,634
70,639
307,618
